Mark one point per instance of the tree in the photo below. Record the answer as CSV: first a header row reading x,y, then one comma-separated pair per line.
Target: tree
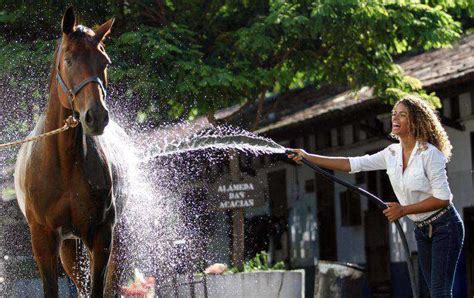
x,y
181,59
221,53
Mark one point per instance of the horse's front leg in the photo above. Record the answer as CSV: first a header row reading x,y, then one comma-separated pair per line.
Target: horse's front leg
x,y
112,278
46,249
100,254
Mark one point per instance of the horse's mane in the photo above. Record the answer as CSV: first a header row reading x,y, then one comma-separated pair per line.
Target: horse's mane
x,y
52,72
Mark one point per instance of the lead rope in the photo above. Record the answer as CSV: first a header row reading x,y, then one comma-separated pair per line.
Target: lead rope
x,y
70,122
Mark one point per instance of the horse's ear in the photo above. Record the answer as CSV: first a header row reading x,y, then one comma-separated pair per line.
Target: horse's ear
x,y
69,21
103,30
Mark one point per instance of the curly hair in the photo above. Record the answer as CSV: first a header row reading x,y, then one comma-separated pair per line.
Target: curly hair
x,y
425,124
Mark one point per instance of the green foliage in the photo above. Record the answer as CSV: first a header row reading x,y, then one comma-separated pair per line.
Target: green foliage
x,y
8,193
182,59
23,72
259,263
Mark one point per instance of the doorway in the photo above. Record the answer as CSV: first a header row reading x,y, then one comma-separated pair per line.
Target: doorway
x,y
377,247
326,218
279,239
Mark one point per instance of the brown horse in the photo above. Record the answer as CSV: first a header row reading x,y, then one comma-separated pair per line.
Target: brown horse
x,y
66,184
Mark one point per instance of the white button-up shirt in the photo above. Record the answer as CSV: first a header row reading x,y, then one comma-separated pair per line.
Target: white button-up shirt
x,y
424,176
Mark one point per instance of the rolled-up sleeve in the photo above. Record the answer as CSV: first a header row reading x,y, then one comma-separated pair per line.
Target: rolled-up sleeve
x,y
368,162
436,172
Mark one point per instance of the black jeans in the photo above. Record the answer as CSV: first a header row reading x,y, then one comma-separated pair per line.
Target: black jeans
x,y
438,255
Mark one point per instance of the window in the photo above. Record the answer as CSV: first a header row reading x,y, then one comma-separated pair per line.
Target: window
x,y
350,208
309,186
340,136
360,178
307,142
371,124
356,132
293,143
445,110
323,140
454,104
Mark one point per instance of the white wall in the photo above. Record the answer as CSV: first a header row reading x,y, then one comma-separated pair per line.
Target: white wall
x,y
351,240
302,221
460,167
304,248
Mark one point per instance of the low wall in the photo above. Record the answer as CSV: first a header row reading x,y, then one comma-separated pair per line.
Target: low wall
x,y
33,288
265,284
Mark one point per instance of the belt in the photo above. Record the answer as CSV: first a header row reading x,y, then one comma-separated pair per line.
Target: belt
x,y
432,218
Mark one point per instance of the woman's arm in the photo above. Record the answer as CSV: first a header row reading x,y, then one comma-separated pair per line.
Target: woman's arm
x,y
395,210
332,163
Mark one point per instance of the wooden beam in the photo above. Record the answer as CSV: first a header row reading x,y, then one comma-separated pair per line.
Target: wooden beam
x,y
238,238
237,219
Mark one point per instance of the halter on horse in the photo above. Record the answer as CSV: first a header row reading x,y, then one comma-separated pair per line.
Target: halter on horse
x,y
67,186
72,92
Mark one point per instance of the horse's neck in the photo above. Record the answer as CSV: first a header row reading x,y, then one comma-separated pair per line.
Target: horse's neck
x,y
64,147
72,150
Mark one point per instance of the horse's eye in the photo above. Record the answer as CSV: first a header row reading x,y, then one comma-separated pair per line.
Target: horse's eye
x,y
68,61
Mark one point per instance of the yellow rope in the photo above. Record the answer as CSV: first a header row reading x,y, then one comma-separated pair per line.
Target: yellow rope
x,y
70,122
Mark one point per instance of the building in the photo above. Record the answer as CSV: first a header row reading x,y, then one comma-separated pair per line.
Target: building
x,y
307,218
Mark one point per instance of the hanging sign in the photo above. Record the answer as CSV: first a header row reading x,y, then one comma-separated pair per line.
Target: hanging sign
x,y
247,192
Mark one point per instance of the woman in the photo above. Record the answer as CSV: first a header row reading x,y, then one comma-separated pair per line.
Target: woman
x,y
416,168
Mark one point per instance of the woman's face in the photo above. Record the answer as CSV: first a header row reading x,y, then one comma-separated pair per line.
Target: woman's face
x,y
400,120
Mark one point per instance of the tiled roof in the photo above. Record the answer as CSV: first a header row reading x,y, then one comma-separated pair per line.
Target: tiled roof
x,y
441,66
434,69
337,102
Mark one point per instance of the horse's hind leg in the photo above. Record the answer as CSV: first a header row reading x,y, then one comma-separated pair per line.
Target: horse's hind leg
x,y
45,249
74,259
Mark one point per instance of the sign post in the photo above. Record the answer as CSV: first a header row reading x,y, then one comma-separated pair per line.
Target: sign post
x,y
237,192
238,225
238,239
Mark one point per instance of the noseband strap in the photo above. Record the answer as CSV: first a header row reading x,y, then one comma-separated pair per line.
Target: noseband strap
x,y
71,93
74,91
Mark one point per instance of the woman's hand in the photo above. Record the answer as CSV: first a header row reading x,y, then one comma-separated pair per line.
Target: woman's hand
x,y
297,154
394,211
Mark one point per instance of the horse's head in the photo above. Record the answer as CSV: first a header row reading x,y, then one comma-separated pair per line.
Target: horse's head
x,y
82,72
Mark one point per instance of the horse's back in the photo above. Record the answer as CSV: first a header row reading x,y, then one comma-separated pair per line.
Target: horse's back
x,y
23,158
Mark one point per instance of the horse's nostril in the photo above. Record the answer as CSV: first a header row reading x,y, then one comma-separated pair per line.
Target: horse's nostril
x,y
89,117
